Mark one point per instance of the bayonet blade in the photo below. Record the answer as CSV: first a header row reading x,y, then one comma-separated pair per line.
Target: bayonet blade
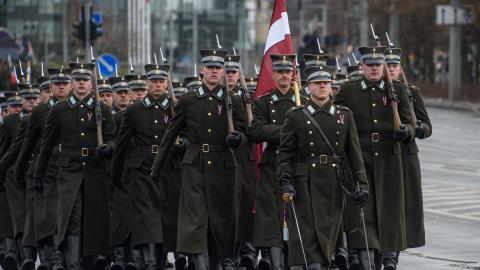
x,y
218,42
388,39
131,66
319,48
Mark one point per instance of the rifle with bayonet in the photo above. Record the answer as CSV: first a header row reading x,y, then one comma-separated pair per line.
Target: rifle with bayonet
x,y
407,86
228,98
98,108
392,94
171,93
297,84
246,96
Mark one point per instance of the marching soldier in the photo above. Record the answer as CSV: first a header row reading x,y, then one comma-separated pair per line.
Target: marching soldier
x,y
312,60
354,72
192,82
124,256
317,141
8,258
338,79
46,196
179,89
45,89
105,92
246,160
82,180
268,116
138,86
19,193
145,122
173,184
207,201
14,105
380,143
412,180
121,96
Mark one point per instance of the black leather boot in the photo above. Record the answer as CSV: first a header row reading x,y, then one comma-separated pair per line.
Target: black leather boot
x,y
341,254
248,258
100,262
135,261
73,252
2,251
353,260
118,258
390,260
228,264
29,256
200,261
11,254
341,258
58,257
180,261
149,253
45,258
276,258
191,265
264,263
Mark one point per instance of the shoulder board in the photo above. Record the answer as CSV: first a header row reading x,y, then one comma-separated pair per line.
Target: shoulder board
x,y
354,79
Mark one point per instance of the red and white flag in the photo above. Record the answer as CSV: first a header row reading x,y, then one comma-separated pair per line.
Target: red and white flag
x,y
278,41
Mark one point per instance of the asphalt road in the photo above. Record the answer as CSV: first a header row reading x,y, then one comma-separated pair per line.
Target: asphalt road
x,y
450,162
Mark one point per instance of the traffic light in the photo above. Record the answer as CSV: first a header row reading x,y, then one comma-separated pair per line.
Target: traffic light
x,y
94,26
95,30
79,27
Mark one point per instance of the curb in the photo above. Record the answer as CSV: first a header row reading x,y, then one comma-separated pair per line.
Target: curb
x,y
456,105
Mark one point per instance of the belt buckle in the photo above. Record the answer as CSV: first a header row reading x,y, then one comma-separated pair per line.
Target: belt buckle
x,y
205,148
323,159
84,152
154,148
375,137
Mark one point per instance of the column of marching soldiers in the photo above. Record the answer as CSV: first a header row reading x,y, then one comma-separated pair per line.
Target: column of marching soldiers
x,y
338,183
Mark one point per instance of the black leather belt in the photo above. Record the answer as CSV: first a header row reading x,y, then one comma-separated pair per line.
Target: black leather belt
x,y
325,159
149,148
205,148
376,137
76,151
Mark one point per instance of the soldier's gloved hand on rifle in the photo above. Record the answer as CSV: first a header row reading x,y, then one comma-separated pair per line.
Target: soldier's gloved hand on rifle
x,y
104,151
38,184
401,134
287,189
233,139
180,147
420,130
360,195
